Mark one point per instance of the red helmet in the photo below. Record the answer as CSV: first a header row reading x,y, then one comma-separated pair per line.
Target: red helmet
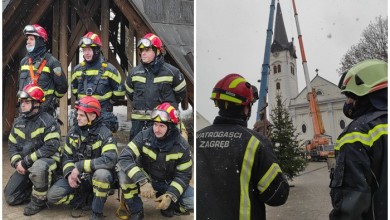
x,y
233,88
35,30
32,92
165,113
90,40
89,104
150,40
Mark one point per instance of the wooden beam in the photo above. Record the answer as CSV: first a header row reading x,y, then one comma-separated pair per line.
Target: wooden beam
x,y
9,11
16,42
133,17
63,58
105,26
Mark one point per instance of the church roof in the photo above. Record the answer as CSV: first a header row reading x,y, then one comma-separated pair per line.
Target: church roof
x,y
280,42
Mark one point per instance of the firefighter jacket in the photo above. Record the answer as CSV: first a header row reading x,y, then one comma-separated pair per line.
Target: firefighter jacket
x,y
89,148
359,184
100,80
34,137
238,172
166,160
51,78
150,85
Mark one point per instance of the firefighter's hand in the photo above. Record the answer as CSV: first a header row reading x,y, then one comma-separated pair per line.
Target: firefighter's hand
x,y
147,190
73,178
165,201
20,169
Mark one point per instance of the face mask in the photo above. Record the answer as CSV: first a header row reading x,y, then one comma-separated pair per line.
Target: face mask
x,y
30,48
349,110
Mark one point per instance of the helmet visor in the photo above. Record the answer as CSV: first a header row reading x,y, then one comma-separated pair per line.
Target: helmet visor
x,y
164,116
29,29
85,41
23,95
144,42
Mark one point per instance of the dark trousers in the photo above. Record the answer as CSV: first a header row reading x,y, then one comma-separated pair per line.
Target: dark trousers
x,y
137,126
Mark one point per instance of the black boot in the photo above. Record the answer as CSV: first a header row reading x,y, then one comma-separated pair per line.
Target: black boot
x,y
35,206
96,216
137,216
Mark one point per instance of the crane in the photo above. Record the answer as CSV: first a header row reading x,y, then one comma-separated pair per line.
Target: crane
x,y
262,103
315,146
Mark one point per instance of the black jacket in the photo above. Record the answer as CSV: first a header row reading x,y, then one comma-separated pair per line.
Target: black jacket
x,y
32,138
237,172
52,79
359,184
90,148
150,85
163,160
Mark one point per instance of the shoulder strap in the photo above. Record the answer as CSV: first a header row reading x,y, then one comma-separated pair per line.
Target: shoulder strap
x,y
90,91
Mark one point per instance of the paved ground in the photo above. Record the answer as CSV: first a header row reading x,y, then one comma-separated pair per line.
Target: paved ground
x,y
64,212
309,198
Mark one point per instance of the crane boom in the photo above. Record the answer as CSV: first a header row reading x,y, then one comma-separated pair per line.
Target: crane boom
x,y
266,60
314,109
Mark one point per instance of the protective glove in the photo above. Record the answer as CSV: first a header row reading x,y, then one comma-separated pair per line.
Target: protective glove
x,y
147,191
165,201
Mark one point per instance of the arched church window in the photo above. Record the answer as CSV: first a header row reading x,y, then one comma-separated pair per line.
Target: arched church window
x,y
292,70
277,86
279,68
275,69
342,124
304,128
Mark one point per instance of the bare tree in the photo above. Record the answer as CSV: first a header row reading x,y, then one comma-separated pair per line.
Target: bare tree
x,y
372,45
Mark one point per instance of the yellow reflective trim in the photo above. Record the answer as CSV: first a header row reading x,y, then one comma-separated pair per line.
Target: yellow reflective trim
x,y
12,139
128,186
115,77
87,166
184,166
76,74
245,177
178,187
74,91
96,145
268,177
367,139
149,152
53,167
37,193
138,79
56,158
140,117
68,149
161,79
134,148
37,132
180,86
15,157
235,82
51,136
70,164
65,200
128,89
130,194
27,67
60,95
173,156
119,93
49,92
100,184
133,171
98,97
109,147
19,133
98,193
34,156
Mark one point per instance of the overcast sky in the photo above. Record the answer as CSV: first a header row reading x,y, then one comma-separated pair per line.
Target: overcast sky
x,y
230,38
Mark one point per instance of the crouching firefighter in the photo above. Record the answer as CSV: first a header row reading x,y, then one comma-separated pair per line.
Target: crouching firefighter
x,y
88,161
166,163
34,147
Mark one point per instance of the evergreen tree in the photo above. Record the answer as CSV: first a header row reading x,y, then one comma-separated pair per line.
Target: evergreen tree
x,y
285,142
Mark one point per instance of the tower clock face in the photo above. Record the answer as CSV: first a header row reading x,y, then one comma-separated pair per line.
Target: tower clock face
x,y
276,54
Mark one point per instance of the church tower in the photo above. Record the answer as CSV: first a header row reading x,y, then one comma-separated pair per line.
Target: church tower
x,y
283,68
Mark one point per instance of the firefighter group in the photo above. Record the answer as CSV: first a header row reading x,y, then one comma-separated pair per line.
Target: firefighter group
x,y
237,170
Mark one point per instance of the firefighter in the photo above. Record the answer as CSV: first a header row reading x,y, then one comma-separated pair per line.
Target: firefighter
x,y
97,78
237,170
164,170
359,184
40,68
88,161
151,83
34,149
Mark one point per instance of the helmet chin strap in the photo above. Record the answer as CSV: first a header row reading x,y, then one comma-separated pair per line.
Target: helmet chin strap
x,y
29,112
